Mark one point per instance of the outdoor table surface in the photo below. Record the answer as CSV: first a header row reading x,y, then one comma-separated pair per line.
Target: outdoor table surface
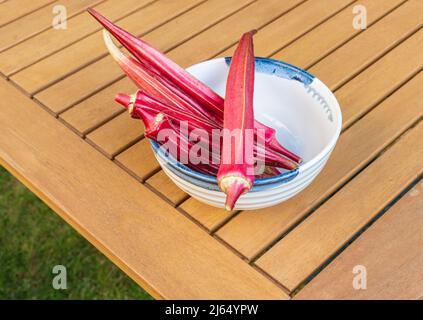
x,y
63,136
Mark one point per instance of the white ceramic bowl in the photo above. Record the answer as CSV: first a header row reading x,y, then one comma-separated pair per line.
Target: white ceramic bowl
x,y
302,110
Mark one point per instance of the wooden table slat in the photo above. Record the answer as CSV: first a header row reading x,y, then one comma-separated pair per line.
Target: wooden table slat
x,y
386,75
38,21
331,34
357,54
162,183
391,253
317,238
97,109
86,51
139,160
120,216
224,34
84,82
210,217
52,40
14,9
80,85
117,134
291,26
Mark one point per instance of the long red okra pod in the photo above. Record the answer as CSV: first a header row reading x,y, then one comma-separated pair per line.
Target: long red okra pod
x,y
156,60
236,171
176,74
149,82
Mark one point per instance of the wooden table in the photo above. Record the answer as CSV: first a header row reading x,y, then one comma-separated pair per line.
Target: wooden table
x,y
64,137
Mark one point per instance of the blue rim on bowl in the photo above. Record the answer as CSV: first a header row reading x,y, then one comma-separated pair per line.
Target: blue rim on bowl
x,y
280,69
172,162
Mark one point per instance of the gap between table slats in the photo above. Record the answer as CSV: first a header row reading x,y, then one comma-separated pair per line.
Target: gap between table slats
x,y
15,9
64,94
39,21
51,41
345,214
365,249
91,49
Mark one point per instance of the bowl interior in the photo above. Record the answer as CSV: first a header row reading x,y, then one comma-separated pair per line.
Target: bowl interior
x,y
301,109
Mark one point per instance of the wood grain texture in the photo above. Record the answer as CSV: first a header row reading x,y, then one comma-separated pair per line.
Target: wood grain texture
x,y
162,183
157,246
226,33
53,97
291,26
79,86
328,36
385,76
374,84
391,252
85,82
98,108
317,238
117,134
39,21
193,22
139,160
52,40
357,54
14,9
56,67
210,217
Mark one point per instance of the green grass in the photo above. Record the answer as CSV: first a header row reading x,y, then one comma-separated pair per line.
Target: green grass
x,y
33,239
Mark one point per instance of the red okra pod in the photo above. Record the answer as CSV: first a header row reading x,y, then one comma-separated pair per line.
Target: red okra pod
x,y
141,103
149,82
236,171
185,84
